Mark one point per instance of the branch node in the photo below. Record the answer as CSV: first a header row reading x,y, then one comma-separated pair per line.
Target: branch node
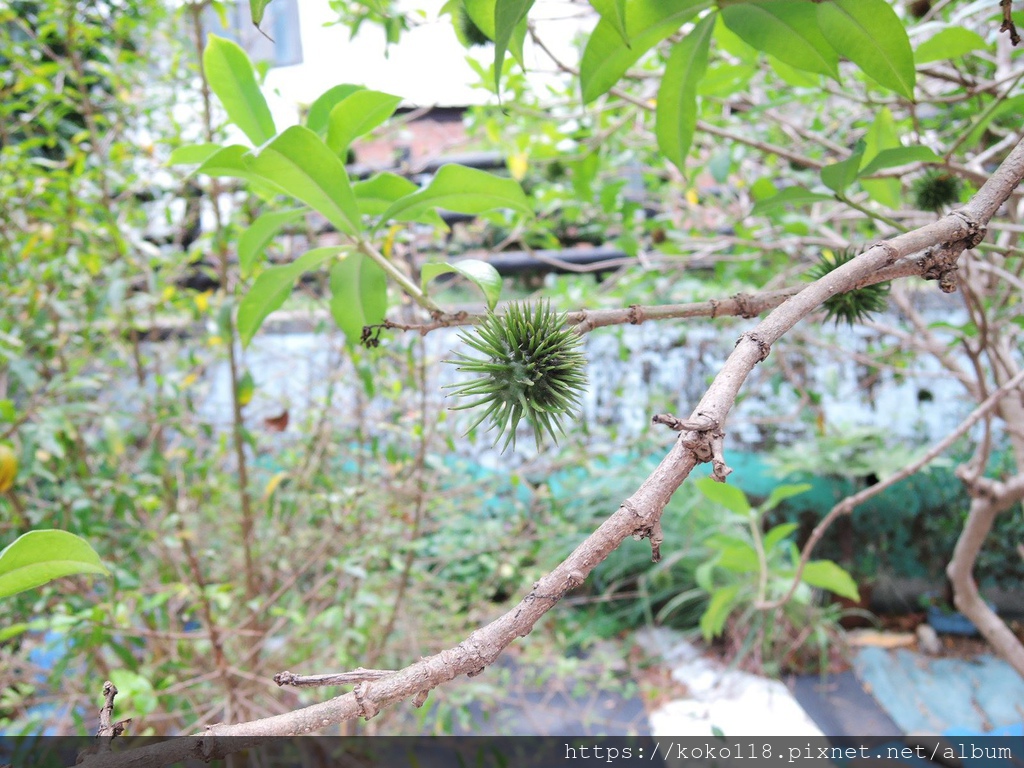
x,y
891,254
743,306
975,232
574,579
367,709
1008,25
763,346
657,536
421,698
720,470
636,314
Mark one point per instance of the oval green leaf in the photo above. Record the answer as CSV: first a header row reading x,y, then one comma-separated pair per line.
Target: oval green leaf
x,y
870,34
607,57
949,44
358,114
841,175
359,295
782,492
38,557
676,115
461,190
712,621
480,273
614,12
229,161
231,77
320,109
729,496
795,195
881,136
272,288
256,10
786,29
192,154
891,158
507,16
778,534
825,574
301,165
376,194
254,239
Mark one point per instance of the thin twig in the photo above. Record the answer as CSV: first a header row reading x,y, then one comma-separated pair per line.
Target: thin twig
x,y
847,505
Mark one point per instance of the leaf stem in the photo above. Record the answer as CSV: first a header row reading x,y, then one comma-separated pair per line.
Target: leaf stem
x,y
365,247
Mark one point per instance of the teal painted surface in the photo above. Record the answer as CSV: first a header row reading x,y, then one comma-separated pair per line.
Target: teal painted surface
x,y
923,695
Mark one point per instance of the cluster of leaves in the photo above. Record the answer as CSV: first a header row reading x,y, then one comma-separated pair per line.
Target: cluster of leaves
x,y
306,163
751,567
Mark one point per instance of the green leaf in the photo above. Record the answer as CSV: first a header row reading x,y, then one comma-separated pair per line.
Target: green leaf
x,y
256,9
231,77
192,154
607,57
795,195
793,76
359,295
778,534
13,630
729,496
246,389
841,175
230,161
255,237
712,621
740,557
949,44
782,492
356,115
301,165
676,116
480,273
786,29
38,557
614,11
825,574
481,13
376,194
320,110
890,158
272,288
870,34
881,136
507,15
462,190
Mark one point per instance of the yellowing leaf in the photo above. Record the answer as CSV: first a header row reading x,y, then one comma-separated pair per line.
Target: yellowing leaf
x,y
273,483
518,164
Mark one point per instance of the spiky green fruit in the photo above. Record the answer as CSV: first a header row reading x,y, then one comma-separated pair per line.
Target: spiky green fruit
x,y
853,306
531,367
935,190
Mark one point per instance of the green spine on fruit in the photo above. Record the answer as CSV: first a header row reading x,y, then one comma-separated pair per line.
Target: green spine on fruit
x,y
853,306
935,190
531,366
